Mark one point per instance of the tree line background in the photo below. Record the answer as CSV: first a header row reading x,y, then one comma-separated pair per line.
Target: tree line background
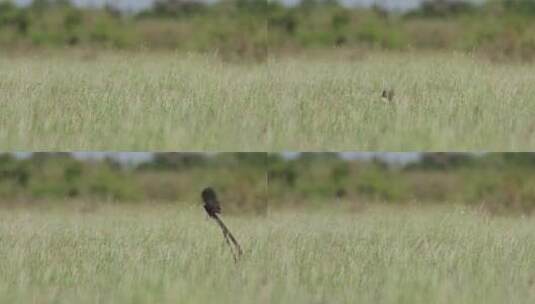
x,y
233,29
249,182
176,178
494,182
500,30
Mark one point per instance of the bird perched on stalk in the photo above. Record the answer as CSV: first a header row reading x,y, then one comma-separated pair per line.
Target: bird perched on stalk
x,y
213,208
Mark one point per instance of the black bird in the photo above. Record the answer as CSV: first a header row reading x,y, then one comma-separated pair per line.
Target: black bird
x,y
388,95
211,204
212,207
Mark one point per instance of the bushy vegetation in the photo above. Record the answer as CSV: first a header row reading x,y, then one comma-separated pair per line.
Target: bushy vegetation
x,y
233,30
494,182
502,30
252,28
169,177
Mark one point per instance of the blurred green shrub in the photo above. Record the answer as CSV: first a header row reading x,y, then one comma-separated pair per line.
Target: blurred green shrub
x,y
168,177
501,30
245,29
233,29
500,182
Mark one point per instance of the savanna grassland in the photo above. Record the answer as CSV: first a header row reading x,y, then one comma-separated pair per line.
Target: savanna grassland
x,y
172,101
128,255
442,102
136,254
254,75
131,102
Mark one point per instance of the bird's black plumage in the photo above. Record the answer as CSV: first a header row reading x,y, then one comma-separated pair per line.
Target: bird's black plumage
x,y
212,207
388,95
211,204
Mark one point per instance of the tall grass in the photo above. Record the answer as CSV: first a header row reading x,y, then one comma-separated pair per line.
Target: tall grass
x,y
131,102
167,255
412,256
442,102
178,102
137,256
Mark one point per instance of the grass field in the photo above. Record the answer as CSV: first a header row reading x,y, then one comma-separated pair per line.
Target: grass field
x,y
131,102
442,102
166,255
188,102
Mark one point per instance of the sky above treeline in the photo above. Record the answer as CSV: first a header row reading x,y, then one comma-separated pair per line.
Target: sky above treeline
x,y
136,5
140,157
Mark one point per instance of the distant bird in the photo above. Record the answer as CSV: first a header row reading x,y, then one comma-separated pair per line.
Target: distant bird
x,y
388,95
211,204
341,193
213,208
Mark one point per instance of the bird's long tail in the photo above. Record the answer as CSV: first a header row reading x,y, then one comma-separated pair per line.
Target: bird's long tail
x,y
229,238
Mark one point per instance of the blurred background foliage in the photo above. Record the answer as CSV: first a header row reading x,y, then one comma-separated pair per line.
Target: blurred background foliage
x,y
250,29
500,30
232,29
240,179
494,182
249,182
